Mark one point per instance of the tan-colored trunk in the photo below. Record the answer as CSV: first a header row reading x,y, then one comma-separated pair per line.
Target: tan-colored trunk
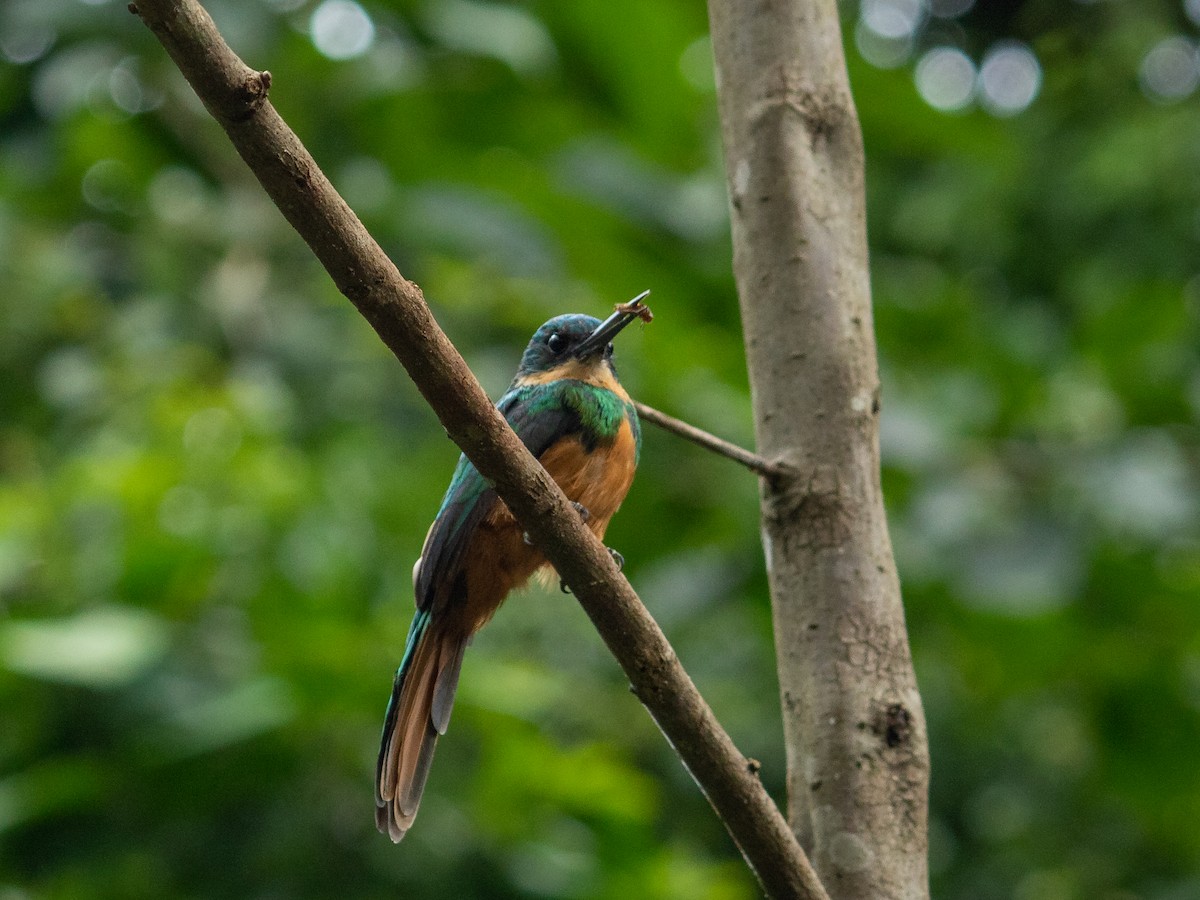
x,y
858,762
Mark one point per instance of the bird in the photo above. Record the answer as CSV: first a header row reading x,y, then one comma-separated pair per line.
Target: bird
x,y
567,405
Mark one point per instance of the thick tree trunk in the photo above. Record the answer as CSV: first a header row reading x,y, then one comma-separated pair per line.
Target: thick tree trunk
x,y
857,754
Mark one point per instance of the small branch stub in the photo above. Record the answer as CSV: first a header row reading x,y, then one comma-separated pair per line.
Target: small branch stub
x,y
256,88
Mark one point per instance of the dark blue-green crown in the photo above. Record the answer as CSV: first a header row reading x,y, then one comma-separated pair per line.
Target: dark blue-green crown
x,y
554,343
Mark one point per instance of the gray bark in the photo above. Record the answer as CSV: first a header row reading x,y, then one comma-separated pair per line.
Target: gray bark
x,y
858,762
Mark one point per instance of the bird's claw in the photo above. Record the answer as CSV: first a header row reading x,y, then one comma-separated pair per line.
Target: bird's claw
x,y
617,558
579,508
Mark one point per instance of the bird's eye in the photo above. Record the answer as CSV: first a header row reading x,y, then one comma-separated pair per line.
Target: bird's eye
x,y
556,342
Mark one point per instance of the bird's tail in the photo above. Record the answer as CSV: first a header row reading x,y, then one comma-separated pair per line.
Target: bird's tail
x,y
417,714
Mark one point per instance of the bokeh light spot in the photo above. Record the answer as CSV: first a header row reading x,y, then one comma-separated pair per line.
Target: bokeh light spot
x,y
341,29
502,32
25,44
70,377
946,79
105,185
881,52
1192,8
1171,70
1009,78
696,65
366,184
178,195
126,90
894,19
65,81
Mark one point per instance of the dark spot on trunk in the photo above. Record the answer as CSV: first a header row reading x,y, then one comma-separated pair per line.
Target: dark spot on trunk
x,y
897,725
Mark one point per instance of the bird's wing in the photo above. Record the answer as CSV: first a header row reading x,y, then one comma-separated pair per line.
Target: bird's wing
x,y
539,416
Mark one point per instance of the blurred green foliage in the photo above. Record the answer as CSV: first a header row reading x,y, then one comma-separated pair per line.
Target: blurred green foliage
x,y
215,479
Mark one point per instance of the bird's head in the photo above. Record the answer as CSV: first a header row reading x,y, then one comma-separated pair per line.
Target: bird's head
x,y
575,345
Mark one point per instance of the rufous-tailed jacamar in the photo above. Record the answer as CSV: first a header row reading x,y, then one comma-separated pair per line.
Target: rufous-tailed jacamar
x,y
570,410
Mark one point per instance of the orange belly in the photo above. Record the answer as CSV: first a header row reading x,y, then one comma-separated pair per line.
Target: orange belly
x,y
598,480
499,560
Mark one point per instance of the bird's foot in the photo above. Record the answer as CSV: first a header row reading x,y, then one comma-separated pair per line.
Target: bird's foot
x,y
617,558
579,508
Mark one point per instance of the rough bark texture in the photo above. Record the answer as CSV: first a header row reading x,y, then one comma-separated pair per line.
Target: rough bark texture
x,y
236,96
858,761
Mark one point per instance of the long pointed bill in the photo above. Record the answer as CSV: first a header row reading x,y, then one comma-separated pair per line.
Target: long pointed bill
x,y
595,342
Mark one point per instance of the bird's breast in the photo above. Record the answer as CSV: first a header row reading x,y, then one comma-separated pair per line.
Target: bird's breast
x,y
599,478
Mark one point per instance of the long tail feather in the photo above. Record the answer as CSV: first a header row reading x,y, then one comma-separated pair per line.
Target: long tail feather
x,y
418,712
447,684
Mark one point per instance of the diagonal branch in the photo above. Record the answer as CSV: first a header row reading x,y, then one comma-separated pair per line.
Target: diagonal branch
x,y
236,96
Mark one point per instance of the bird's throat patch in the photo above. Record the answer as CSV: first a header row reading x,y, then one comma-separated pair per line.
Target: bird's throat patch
x,y
596,373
